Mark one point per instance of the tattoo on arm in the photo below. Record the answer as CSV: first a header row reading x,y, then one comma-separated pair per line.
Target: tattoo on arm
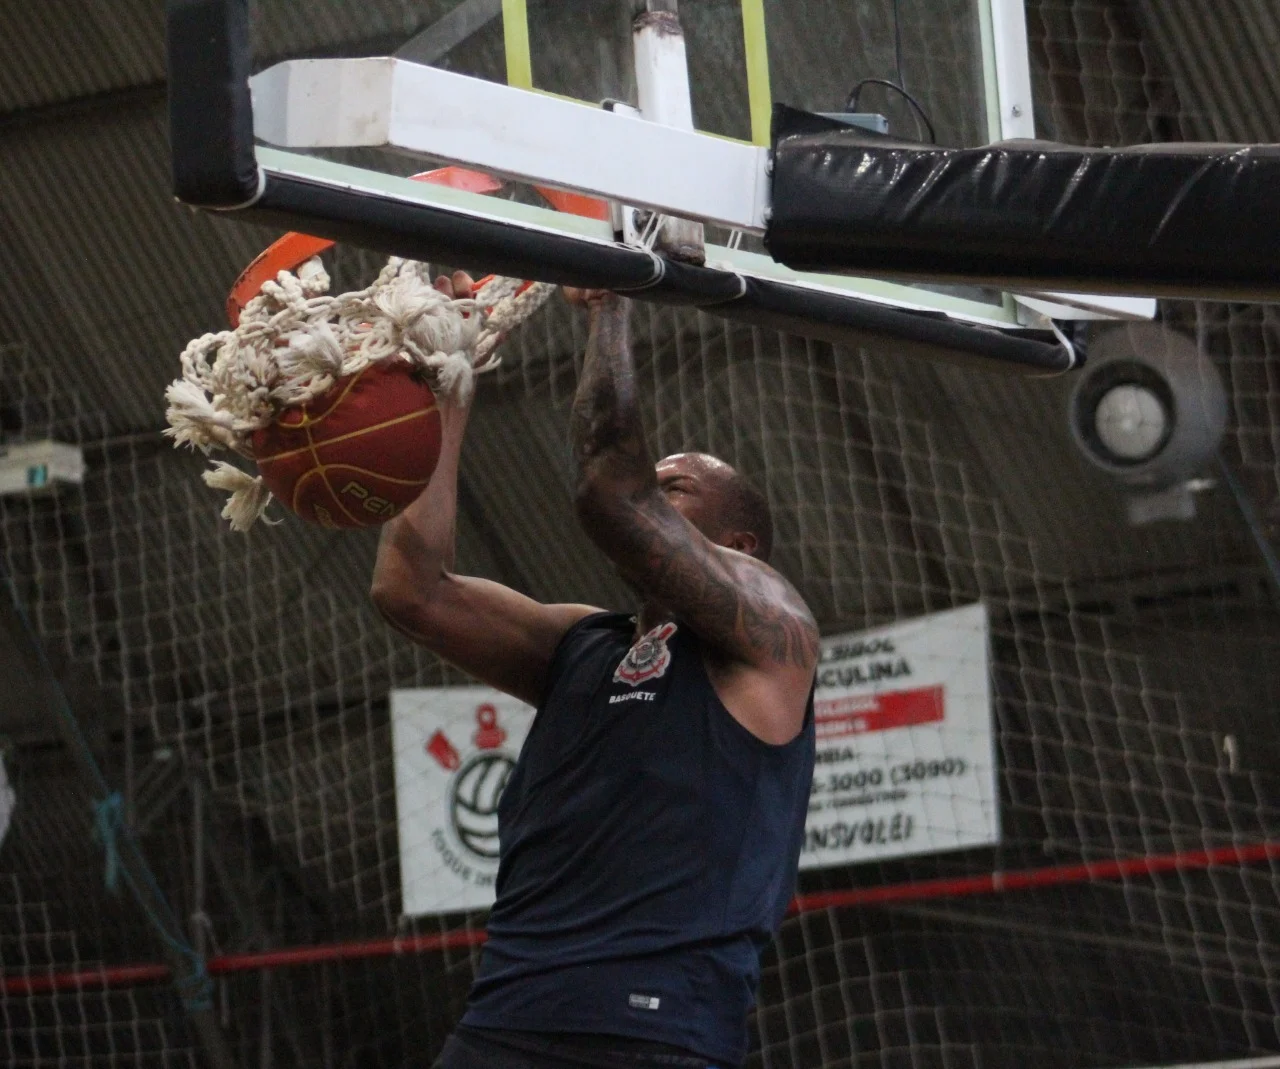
x,y
739,605
735,603
608,437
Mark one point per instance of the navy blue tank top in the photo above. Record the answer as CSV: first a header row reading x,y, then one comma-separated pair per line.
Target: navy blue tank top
x,y
649,845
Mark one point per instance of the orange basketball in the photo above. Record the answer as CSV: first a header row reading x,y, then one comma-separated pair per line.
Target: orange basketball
x,y
358,454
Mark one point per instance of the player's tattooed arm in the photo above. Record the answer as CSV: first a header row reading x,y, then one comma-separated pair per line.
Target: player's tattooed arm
x,y
608,435
736,603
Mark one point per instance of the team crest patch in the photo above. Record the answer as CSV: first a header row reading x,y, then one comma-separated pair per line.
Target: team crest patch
x,y
647,659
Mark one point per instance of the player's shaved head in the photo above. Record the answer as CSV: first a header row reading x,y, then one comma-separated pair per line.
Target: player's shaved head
x,y
719,500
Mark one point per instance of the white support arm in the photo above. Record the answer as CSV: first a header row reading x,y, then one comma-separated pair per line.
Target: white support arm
x,y
662,88
1082,306
529,137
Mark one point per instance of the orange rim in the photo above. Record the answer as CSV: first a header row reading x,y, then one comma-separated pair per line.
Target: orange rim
x,y
574,203
287,254
294,249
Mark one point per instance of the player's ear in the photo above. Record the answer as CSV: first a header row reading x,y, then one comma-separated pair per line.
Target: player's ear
x,y
743,542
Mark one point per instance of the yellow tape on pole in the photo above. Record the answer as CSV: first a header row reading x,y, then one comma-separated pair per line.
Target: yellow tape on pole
x,y
759,91
515,34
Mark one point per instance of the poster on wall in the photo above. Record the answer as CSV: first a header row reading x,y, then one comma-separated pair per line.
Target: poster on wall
x,y
455,748
905,757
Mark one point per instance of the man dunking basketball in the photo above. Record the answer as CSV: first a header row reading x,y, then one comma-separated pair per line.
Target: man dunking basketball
x,y
650,832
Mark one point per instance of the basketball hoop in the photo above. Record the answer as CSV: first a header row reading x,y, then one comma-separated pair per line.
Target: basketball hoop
x,y
293,250
291,340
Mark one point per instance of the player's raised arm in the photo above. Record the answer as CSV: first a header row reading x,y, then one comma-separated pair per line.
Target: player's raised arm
x,y
678,537
494,633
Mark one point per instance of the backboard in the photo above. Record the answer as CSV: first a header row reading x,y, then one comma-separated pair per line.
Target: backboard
x,y
953,56
962,63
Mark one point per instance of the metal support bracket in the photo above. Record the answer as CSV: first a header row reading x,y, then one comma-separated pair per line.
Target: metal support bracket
x,y
662,84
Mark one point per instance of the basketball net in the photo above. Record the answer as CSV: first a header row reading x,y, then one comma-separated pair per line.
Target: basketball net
x,y
294,341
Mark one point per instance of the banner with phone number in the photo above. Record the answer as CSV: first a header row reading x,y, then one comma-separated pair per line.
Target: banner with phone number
x,y
906,758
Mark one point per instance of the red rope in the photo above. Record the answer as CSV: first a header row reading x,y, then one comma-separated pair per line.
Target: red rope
x,y
131,975
993,883
948,887
86,980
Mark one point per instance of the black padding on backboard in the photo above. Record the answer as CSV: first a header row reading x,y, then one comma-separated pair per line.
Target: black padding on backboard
x,y
851,322
1176,220
426,232
688,285
210,112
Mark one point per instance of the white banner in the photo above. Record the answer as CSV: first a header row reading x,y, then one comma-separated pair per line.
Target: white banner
x,y
455,748
906,759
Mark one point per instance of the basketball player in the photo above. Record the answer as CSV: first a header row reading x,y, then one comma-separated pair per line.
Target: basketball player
x,y
650,832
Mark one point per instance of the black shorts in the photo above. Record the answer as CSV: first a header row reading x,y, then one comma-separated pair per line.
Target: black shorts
x,y
491,1048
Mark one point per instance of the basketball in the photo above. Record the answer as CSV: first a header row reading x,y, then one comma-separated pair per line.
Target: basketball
x,y
359,453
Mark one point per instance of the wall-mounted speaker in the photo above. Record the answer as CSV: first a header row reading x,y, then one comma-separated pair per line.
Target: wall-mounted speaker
x,y
1150,410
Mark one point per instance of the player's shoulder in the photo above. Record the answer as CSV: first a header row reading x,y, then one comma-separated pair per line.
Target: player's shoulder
x,y
602,622
587,636
584,628
758,579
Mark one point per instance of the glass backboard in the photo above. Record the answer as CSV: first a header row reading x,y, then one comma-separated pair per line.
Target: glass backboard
x,y
953,57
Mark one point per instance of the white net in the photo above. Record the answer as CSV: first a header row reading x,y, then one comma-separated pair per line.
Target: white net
x,y
1123,664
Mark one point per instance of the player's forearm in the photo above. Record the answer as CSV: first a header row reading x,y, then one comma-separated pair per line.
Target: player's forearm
x,y
417,547
608,437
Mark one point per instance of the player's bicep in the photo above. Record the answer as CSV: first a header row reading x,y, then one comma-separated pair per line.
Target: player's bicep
x,y
493,633
736,603
752,617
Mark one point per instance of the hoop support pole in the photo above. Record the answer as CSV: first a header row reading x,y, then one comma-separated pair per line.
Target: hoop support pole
x,y
515,37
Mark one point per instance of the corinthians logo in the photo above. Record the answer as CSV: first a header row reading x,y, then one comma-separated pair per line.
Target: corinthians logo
x,y
477,785
647,659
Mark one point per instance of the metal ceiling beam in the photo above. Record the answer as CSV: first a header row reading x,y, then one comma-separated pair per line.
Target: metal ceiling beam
x,y
29,716
444,35
112,102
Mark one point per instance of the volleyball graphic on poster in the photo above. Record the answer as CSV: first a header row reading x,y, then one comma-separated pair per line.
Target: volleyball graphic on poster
x,y
456,748
477,790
